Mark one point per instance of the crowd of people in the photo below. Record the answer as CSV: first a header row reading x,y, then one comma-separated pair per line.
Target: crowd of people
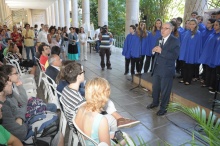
x,y
56,51
199,46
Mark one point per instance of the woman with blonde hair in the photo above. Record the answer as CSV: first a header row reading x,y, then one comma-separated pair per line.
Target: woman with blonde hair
x,y
89,118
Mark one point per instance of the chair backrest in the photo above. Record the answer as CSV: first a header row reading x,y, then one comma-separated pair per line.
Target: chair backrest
x,y
39,65
16,64
82,136
51,90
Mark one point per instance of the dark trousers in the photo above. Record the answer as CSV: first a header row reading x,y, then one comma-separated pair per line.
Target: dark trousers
x,y
178,65
196,71
217,78
127,62
147,64
210,79
182,66
161,86
188,72
104,52
97,45
204,71
138,62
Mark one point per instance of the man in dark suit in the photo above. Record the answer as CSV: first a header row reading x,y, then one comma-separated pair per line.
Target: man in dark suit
x,y
166,52
54,66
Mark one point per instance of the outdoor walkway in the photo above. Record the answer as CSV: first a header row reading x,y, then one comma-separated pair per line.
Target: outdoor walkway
x,y
172,129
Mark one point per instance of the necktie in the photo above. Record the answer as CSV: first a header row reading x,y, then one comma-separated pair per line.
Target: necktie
x,y
162,43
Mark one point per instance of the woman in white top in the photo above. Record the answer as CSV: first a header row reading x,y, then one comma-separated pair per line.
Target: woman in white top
x,y
83,44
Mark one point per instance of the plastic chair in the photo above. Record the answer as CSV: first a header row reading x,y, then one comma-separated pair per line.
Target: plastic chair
x,y
40,69
82,136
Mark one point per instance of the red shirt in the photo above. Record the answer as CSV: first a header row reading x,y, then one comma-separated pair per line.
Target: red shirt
x,y
15,36
43,60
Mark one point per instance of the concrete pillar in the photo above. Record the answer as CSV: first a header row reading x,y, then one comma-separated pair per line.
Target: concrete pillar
x,y
194,5
61,13
86,15
29,17
53,14
132,14
56,14
2,16
102,12
50,16
4,9
47,13
67,13
75,13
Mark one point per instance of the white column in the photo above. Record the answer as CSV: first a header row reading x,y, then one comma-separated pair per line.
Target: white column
x,y
86,15
67,13
75,13
4,8
1,11
132,14
61,13
194,5
53,14
48,19
102,12
50,16
56,14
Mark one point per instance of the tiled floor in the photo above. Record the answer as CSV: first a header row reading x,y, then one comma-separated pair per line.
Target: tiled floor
x,y
132,104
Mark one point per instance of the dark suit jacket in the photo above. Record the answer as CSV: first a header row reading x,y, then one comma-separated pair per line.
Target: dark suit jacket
x,y
52,72
164,63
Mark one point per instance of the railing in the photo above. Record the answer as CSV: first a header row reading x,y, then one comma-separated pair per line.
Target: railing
x,y
119,41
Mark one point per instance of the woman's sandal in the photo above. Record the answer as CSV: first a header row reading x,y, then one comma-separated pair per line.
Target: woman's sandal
x,y
181,81
187,83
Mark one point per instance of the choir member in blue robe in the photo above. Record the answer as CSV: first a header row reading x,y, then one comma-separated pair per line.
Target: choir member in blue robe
x,y
147,51
179,21
154,36
208,30
190,51
127,48
205,34
206,57
200,24
176,33
137,50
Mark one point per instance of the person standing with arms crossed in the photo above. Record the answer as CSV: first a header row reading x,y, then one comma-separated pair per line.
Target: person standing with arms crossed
x,y
166,52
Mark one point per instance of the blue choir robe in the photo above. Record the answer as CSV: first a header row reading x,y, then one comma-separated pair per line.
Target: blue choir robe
x,y
208,49
183,34
136,47
216,55
191,46
154,38
205,35
181,29
127,46
146,45
201,27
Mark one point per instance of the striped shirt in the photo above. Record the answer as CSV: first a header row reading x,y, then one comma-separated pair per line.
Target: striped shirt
x,y
70,99
105,42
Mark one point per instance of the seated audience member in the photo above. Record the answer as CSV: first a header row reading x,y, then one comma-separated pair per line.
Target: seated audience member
x,y
63,83
71,98
54,66
54,50
6,138
8,40
89,118
44,51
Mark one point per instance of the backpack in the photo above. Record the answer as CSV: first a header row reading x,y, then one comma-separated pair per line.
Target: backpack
x,y
42,126
35,106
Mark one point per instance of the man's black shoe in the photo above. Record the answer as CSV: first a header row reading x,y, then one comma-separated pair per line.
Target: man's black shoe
x,y
103,68
109,68
161,112
150,106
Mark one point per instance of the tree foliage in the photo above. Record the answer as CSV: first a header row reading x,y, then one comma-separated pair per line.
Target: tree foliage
x,y
213,4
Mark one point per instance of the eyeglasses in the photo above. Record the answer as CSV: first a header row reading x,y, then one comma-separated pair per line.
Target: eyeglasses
x,y
82,72
15,73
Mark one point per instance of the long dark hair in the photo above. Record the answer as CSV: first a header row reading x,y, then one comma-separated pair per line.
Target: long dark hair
x,y
196,28
175,29
155,28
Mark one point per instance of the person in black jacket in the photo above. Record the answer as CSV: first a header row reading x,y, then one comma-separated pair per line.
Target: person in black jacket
x,y
166,52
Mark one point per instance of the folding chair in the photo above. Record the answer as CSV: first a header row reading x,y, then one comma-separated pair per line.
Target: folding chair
x,y
39,65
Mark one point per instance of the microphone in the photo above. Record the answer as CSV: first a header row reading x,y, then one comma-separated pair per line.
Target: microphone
x,y
160,43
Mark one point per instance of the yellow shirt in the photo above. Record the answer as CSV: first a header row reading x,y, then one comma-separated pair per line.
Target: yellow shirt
x,y
28,42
